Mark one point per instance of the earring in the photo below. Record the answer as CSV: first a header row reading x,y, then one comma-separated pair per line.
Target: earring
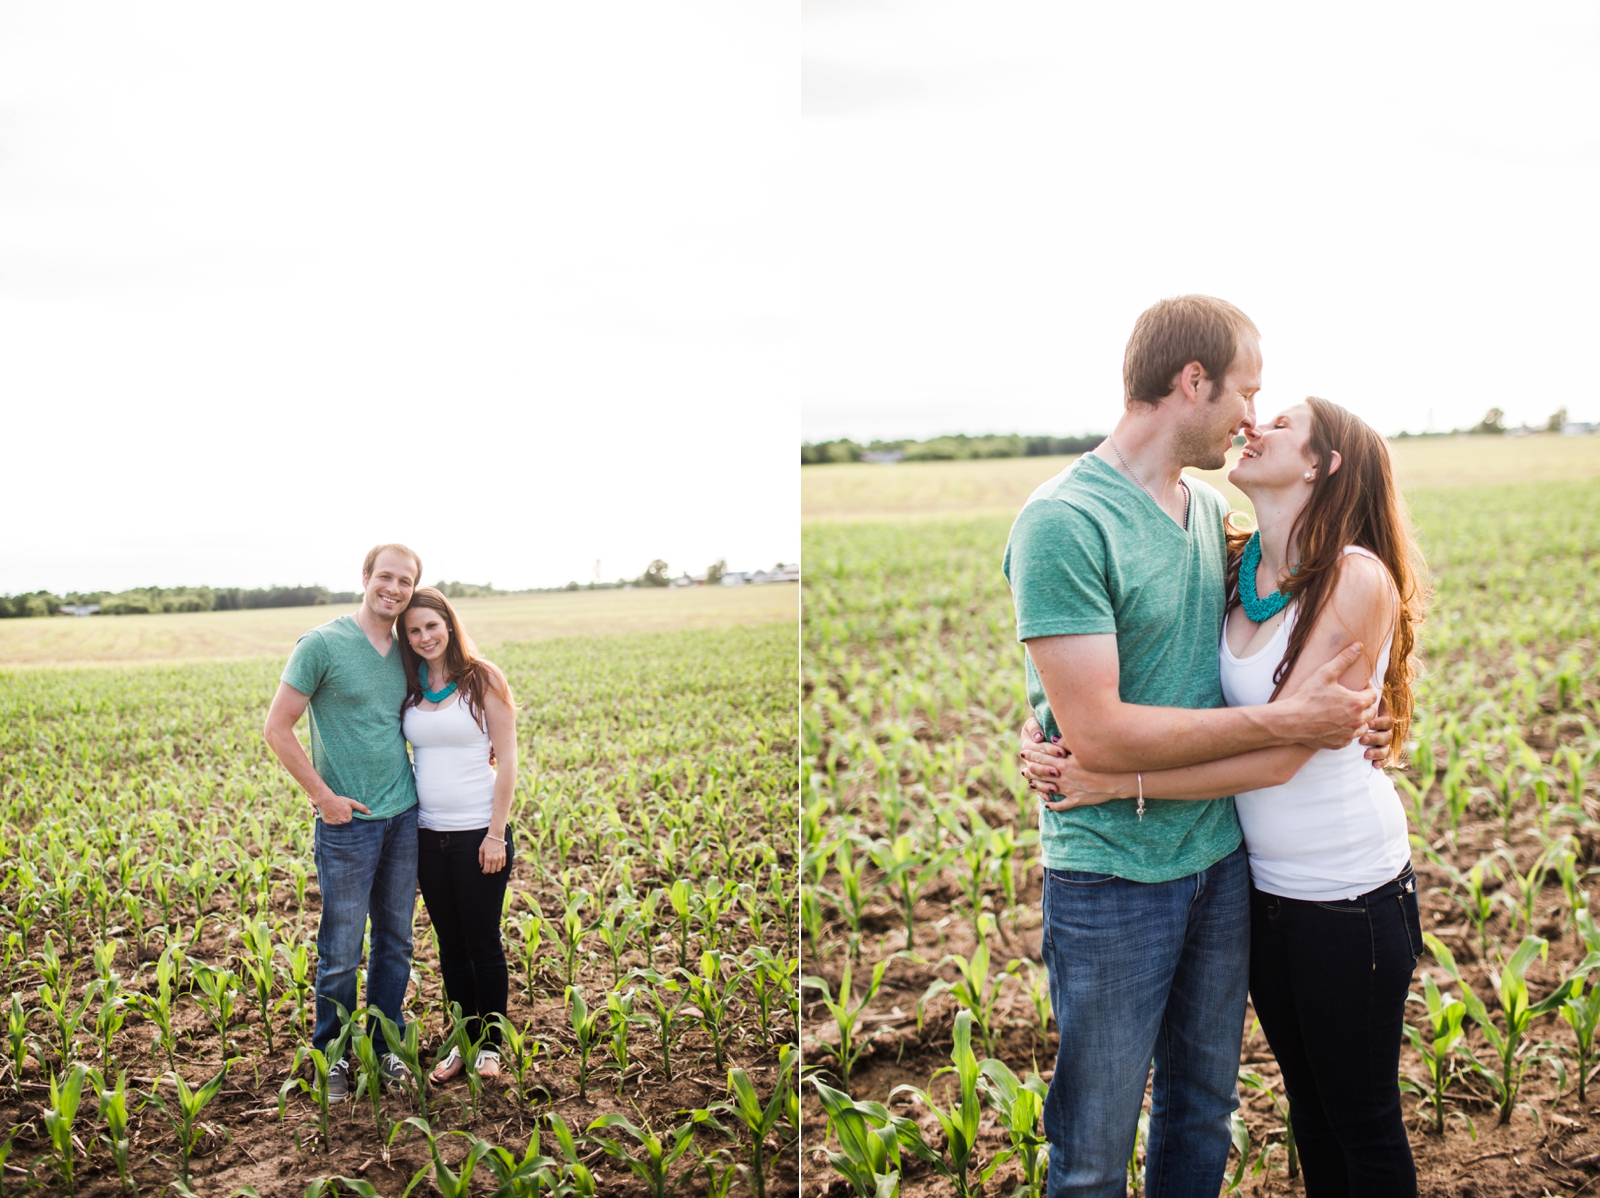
x,y
1307,476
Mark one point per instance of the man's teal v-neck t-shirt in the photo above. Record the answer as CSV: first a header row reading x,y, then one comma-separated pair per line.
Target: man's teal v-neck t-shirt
x,y
356,692
1092,553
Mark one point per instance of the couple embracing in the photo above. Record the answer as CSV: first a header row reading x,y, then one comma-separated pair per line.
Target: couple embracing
x,y
402,668
1217,825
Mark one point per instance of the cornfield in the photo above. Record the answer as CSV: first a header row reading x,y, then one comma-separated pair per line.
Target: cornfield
x,y
926,1015
158,909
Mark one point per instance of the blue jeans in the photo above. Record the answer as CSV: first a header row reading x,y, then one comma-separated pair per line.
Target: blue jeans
x,y
1142,971
365,868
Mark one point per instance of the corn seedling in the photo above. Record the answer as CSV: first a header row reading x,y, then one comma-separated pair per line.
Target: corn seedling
x,y
1582,1012
190,1103
869,1143
296,970
65,1095
573,930
1506,1079
1020,1106
659,1155
17,1040
457,1182
217,991
258,968
533,1175
575,1173
1254,1081
1444,1019
681,895
68,1017
368,1072
619,1016
586,1030
1522,892
667,1020
317,1087
710,995
530,933
112,1100
908,868
770,977
520,1051
759,1120
959,1123
973,990
408,1048
846,1018
158,1007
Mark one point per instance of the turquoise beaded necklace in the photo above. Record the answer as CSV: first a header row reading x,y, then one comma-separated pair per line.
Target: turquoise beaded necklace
x,y
1258,609
444,692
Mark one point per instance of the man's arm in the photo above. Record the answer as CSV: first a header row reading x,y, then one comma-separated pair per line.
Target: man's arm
x,y
288,705
1082,680
1360,609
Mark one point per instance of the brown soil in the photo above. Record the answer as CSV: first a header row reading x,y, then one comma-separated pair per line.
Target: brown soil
x,y
1556,1151
248,1144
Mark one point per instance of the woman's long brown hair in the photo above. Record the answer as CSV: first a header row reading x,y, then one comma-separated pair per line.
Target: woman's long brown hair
x,y
473,676
1359,504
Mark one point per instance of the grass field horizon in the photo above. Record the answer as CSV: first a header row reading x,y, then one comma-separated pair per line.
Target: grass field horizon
x,y
861,491
186,637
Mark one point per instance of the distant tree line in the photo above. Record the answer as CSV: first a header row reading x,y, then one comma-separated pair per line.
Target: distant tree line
x,y
151,600
1494,424
944,449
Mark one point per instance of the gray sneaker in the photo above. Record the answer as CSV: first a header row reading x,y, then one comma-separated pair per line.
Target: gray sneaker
x,y
339,1081
393,1070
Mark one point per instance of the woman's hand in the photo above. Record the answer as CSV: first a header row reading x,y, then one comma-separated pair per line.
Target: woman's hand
x,y
1078,787
1039,758
492,853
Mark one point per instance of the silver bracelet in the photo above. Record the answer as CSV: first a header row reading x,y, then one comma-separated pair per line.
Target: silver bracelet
x,y
1140,807
496,839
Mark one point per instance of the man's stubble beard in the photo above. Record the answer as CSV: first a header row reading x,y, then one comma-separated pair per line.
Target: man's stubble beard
x,y
1200,450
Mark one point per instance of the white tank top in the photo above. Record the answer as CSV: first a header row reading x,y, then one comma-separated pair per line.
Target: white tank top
x,y
455,782
1336,829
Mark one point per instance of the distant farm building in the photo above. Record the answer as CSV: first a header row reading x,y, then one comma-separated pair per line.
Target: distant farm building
x,y
78,609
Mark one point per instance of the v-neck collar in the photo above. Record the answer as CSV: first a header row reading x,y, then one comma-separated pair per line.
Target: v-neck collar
x,y
1166,517
363,634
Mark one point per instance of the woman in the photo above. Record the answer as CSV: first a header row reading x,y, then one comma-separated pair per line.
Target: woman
x,y
1334,922
460,718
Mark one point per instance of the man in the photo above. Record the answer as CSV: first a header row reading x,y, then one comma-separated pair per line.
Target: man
x,y
1117,571
359,780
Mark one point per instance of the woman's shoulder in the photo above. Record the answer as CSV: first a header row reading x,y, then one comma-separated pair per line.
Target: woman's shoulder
x,y
1363,580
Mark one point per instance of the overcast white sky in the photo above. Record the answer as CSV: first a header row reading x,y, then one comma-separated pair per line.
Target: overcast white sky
x,y
1402,196
516,284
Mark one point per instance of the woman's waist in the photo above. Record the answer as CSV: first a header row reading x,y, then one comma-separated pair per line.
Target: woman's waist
x,y
465,766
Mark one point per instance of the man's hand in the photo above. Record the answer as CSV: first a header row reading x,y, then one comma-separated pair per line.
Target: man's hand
x,y
1325,714
336,809
1039,758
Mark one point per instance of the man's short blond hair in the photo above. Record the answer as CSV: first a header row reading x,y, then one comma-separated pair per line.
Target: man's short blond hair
x,y
1171,334
393,547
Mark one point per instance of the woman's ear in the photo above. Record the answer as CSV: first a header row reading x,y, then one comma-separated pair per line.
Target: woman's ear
x,y
1333,461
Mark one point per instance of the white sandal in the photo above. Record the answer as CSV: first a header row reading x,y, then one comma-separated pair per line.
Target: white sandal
x,y
451,1066
448,1068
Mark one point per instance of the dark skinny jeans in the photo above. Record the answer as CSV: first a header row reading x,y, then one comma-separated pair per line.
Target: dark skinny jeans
x,y
1329,983
464,904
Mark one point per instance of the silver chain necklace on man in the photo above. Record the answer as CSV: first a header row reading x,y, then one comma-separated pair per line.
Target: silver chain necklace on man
x,y
1146,489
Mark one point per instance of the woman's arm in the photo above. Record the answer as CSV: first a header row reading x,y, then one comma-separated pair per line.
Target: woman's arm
x,y
1361,608
502,720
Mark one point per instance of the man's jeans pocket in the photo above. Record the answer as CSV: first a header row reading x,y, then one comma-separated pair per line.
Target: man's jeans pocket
x,y
1078,877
